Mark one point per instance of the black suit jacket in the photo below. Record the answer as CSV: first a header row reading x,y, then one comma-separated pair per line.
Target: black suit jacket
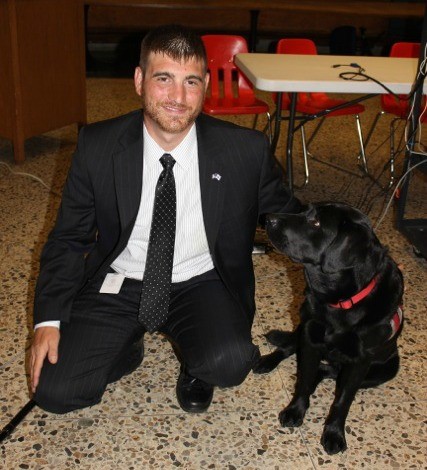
x,y
102,194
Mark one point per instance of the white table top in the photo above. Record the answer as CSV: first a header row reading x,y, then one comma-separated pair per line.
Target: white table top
x,y
311,73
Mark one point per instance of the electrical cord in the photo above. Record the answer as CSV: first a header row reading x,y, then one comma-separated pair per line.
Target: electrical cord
x,y
397,153
29,175
398,184
365,77
360,75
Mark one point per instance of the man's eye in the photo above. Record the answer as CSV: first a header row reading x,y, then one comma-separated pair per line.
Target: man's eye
x,y
314,223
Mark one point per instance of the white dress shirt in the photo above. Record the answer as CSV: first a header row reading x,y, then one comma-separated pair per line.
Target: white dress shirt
x,y
191,255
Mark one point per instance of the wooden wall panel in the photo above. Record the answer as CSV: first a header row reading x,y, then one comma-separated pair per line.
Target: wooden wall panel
x,y
131,19
51,67
7,97
42,68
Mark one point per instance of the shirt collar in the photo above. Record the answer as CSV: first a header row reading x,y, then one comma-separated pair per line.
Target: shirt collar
x,y
182,153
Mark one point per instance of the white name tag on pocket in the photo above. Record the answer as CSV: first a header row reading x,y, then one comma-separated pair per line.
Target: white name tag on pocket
x,y
112,283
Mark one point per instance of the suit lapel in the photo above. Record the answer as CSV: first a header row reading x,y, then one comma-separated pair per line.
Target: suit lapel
x,y
128,172
128,165
212,178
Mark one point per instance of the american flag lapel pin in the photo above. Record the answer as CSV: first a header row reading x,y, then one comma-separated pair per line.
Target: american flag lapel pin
x,y
216,176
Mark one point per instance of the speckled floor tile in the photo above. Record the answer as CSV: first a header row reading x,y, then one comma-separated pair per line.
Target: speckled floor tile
x,y
230,440
14,391
378,436
139,423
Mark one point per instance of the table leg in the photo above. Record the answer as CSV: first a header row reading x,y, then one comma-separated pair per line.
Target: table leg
x,y
253,31
290,141
278,118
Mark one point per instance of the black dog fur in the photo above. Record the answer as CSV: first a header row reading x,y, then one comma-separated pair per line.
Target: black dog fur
x,y
357,347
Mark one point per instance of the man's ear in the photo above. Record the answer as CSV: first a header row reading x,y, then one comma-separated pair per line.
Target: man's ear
x,y
138,79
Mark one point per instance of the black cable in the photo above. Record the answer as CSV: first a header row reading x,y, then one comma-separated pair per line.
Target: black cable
x,y
370,202
22,413
352,76
365,77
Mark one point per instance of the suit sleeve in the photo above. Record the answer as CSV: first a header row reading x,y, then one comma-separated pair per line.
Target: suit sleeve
x,y
274,196
63,257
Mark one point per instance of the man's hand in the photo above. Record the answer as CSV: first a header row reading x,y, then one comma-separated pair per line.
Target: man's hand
x,y
45,343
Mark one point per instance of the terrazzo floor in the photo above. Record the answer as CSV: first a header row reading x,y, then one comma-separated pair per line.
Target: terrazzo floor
x,y
139,424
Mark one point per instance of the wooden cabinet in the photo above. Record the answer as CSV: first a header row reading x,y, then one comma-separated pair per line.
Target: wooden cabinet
x,y
42,69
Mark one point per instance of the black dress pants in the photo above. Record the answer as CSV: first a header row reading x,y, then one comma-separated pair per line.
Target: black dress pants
x,y
210,333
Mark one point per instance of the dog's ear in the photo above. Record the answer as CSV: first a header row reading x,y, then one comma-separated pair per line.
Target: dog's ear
x,y
355,245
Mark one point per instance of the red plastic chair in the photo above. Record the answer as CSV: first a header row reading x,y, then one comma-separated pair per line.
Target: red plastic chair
x,y
230,91
389,103
313,103
398,106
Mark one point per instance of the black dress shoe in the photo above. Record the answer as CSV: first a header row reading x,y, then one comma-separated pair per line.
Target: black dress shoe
x,y
194,395
128,363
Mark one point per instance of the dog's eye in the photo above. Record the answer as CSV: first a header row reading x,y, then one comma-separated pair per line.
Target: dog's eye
x,y
314,223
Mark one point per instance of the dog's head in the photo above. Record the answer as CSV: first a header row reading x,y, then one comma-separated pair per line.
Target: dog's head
x,y
331,236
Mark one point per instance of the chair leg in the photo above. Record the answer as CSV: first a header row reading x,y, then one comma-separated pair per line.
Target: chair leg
x,y
270,119
267,127
362,155
392,148
314,133
255,121
270,133
305,156
373,126
370,133
275,139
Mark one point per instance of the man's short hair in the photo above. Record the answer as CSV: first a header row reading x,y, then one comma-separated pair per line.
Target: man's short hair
x,y
176,41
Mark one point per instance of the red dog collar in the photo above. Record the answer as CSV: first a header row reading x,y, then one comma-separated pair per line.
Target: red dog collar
x,y
348,303
397,318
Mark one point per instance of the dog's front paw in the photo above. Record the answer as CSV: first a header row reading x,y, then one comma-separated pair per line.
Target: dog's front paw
x,y
333,440
292,416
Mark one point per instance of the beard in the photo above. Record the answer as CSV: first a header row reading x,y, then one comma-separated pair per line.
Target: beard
x,y
166,122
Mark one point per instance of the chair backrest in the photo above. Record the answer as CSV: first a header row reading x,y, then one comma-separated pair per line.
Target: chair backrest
x,y
220,50
296,46
300,46
405,49
389,103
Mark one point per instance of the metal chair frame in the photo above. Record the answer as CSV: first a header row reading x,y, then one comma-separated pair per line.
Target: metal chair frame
x,y
306,46
399,49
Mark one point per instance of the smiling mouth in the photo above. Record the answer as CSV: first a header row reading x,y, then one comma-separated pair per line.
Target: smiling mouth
x,y
175,108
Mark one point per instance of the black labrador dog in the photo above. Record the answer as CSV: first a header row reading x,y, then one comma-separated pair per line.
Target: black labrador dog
x,y
350,318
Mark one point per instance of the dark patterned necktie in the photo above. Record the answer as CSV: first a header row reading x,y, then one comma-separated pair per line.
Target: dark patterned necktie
x,y
154,304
